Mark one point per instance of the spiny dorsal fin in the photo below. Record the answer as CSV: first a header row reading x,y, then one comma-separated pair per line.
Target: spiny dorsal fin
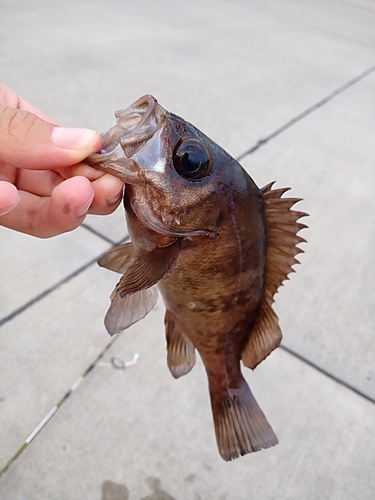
x,y
282,229
282,241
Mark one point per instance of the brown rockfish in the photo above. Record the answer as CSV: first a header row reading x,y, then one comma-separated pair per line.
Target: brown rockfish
x,y
216,246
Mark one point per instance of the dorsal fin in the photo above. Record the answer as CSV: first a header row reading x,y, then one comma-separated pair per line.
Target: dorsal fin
x,y
282,241
282,238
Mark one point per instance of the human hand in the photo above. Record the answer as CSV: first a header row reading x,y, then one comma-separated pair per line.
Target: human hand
x,y
44,189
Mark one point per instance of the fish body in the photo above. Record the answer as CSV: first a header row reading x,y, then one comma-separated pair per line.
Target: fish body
x,y
215,245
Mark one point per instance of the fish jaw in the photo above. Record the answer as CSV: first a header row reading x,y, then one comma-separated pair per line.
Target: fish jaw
x,y
134,127
141,149
169,202
134,150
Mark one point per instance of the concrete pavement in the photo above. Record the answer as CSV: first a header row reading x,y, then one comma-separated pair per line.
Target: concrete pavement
x,y
240,71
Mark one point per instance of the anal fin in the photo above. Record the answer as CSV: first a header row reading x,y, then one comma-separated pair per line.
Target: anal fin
x,y
180,351
240,425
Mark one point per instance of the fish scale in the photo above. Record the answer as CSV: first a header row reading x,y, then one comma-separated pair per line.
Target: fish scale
x,y
215,246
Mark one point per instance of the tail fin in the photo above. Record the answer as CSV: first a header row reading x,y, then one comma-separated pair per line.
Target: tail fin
x,y
240,424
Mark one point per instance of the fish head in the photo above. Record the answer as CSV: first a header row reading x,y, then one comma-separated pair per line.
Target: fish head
x,y
177,179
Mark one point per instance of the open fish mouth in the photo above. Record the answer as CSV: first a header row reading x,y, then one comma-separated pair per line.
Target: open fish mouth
x,y
133,128
132,149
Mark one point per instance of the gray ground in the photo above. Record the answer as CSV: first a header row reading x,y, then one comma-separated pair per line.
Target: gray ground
x,y
241,71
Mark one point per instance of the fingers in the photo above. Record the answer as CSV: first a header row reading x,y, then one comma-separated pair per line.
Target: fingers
x,y
28,141
65,209
108,195
108,190
9,197
80,169
36,155
38,182
46,217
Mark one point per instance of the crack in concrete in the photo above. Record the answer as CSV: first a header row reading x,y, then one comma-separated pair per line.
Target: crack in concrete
x,y
327,373
54,287
305,113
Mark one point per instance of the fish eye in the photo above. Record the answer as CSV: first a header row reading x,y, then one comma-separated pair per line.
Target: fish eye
x,y
192,159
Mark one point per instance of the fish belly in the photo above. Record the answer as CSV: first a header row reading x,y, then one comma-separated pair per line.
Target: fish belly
x,y
212,302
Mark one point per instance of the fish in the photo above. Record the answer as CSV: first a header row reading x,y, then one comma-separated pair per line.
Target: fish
x,y
214,245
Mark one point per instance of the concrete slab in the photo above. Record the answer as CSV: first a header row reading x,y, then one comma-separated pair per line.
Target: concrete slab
x,y
327,312
238,70
112,226
30,266
221,65
141,430
46,348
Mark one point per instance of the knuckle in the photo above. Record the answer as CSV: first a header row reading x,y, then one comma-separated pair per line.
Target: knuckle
x,y
17,125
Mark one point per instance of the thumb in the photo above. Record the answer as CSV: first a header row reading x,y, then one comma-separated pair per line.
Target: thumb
x,y
27,141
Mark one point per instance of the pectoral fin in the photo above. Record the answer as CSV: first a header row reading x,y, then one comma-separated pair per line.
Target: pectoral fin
x,y
148,268
124,311
119,258
180,351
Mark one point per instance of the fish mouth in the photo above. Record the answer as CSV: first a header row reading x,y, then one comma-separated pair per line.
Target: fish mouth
x,y
133,128
132,150
162,223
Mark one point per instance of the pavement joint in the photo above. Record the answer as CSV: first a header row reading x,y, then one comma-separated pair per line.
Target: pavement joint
x,y
327,373
305,113
98,233
62,400
46,292
54,287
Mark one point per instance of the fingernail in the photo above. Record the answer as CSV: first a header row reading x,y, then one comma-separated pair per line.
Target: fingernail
x,y
113,200
72,138
82,210
4,211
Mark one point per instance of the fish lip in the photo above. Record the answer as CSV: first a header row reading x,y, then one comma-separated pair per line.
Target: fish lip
x,y
134,125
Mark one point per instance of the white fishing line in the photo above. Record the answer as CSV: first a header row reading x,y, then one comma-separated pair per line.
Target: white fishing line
x,y
116,362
